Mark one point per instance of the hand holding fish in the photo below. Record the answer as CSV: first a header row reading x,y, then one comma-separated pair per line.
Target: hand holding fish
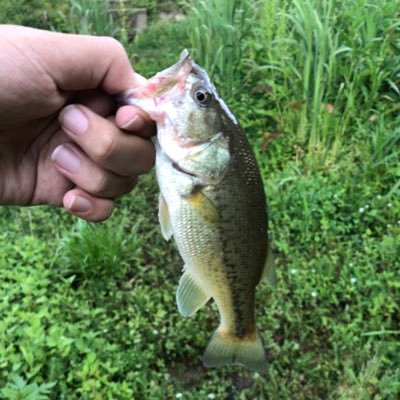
x,y
61,142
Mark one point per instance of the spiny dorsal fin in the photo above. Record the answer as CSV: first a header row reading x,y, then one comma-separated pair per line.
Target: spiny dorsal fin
x,y
190,296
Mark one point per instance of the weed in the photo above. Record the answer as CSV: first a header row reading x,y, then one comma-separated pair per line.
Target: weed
x,y
90,17
217,35
323,78
18,389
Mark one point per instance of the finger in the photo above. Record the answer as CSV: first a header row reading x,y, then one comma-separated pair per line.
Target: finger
x,y
119,152
85,62
90,208
96,100
132,118
70,161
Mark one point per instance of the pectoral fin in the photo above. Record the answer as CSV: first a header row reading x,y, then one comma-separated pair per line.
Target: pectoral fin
x,y
204,207
190,296
163,217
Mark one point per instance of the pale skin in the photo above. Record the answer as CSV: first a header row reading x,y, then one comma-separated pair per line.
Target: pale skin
x,y
63,142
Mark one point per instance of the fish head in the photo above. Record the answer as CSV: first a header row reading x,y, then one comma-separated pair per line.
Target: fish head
x,y
190,117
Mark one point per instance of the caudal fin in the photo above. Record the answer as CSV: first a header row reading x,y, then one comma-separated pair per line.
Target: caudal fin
x,y
227,348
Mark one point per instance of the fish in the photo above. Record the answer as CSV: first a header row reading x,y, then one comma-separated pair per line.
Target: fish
x,y
212,202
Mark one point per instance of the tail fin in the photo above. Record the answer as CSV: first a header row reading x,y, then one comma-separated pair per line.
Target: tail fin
x,y
227,348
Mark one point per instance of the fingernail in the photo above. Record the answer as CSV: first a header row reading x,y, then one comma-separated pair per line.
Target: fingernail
x,y
66,159
135,123
78,204
74,120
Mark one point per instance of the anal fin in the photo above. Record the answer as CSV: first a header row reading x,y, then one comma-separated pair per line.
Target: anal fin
x,y
190,296
269,272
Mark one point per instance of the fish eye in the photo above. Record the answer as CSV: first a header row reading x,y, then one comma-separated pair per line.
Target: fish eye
x,y
202,97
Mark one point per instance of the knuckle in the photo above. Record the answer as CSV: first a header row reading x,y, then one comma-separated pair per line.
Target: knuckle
x,y
97,184
113,44
105,148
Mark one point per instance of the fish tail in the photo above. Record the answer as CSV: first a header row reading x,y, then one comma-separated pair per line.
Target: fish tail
x,y
225,348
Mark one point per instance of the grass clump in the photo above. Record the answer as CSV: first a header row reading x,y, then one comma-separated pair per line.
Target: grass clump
x,y
217,33
327,67
90,17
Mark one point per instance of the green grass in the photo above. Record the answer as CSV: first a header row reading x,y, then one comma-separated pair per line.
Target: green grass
x,y
216,33
90,17
88,311
327,67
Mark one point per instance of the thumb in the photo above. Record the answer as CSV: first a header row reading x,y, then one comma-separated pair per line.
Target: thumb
x,y
78,62
88,62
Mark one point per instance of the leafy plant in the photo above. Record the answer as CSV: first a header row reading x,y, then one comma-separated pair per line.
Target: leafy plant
x,y
19,389
91,253
34,13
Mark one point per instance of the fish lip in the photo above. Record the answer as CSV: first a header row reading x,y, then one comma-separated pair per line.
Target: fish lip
x,y
160,83
173,69
174,75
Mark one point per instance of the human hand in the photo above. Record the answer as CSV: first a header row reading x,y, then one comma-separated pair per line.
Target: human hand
x,y
61,142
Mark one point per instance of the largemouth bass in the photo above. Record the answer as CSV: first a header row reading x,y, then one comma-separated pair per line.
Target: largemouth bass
x,y
212,201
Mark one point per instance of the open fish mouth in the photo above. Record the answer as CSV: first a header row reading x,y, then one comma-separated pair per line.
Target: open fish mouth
x,y
170,81
161,83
